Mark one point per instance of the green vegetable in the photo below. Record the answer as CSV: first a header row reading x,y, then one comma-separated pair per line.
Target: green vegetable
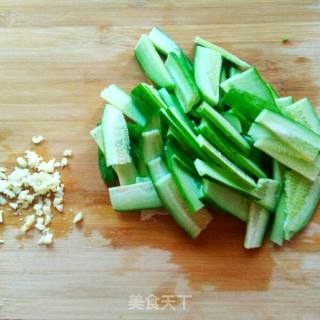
x,y
284,102
151,63
108,174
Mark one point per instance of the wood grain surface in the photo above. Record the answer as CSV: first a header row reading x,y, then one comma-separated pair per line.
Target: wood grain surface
x,y
55,58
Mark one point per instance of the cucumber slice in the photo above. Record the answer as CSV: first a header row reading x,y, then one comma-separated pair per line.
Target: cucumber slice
x,y
225,163
147,98
121,100
250,81
163,43
233,120
277,232
151,63
97,136
135,132
256,226
272,90
127,173
303,112
107,174
185,87
143,179
171,150
305,142
157,169
226,199
151,145
169,99
218,174
207,69
136,196
170,196
223,73
233,71
176,137
229,151
187,183
275,148
298,220
221,123
115,137
284,102
225,54
278,171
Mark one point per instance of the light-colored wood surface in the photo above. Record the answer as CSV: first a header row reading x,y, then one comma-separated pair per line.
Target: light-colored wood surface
x,y
55,58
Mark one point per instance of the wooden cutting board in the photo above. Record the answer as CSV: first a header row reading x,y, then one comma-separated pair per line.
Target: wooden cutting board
x,y
55,58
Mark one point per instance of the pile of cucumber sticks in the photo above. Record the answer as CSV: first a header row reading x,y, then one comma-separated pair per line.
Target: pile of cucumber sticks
x,y
210,132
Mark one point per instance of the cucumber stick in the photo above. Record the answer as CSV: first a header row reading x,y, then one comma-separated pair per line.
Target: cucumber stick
x,y
233,71
169,99
227,199
256,226
185,87
277,232
107,174
271,145
127,173
222,124
135,197
121,100
97,136
250,81
303,112
305,142
284,102
233,120
224,53
151,63
151,145
207,70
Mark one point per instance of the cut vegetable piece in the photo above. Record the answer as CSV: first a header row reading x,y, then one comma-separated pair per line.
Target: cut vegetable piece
x,y
108,174
169,99
147,98
278,171
151,63
227,199
271,145
300,138
176,137
223,73
207,69
170,196
151,145
135,197
228,150
267,192
185,87
135,132
127,173
233,120
163,43
115,137
225,54
303,112
277,232
294,223
284,102
221,123
143,179
97,136
272,90
256,226
218,174
121,100
157,169
233,71
171,150
187,183
250,81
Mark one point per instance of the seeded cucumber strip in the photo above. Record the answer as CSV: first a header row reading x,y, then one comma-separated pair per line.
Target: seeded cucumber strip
x,y
227,199
271,145
256,226
304,141
233,120
169,99
221,123
278,171
163,43
207,69
272,90
151,63
108,174
284,102
121,100
127,173
303,112
97,136
225,54
277,232
151,145
185,87
134,197
250,81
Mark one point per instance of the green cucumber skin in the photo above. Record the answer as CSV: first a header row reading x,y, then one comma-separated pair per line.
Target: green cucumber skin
x,y
256,226
284,102
227,55
277,232
233,120
151,63
134,197
273,91
185,88
233,71
163,43
226,199
127,173
207,70
152,145
107,174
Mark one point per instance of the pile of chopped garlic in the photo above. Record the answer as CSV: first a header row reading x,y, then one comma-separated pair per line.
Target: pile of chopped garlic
x,y
34,185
